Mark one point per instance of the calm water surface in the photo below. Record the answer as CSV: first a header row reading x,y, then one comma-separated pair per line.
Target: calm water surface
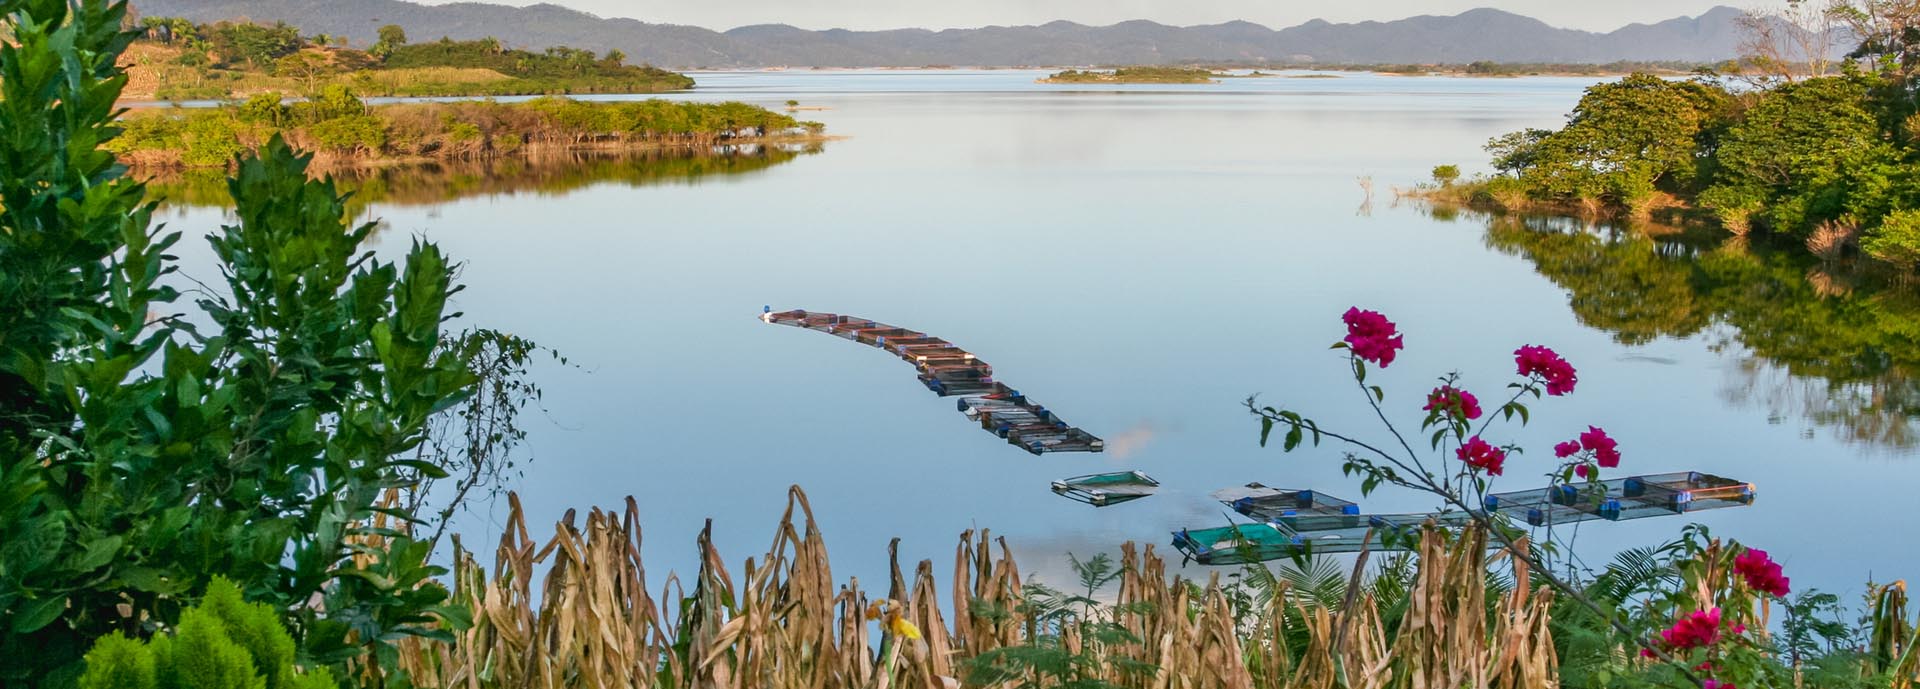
x,y
1141,259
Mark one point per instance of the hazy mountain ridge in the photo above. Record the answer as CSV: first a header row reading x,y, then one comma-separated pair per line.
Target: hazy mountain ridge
x,y
1458,38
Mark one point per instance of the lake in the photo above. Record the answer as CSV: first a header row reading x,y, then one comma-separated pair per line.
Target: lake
x,y
1140,260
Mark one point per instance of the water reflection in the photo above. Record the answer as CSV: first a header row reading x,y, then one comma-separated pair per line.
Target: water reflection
x,y
439,182
1835,345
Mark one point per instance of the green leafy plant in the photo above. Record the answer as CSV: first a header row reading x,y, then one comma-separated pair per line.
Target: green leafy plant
x,y
1064,635
143,452
222,643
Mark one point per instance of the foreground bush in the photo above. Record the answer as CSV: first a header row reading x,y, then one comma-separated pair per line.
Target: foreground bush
x,y
223,643
145,449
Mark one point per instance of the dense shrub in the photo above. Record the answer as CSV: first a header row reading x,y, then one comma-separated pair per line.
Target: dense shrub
x,y
1896,240
223,643
1804,153
1824,159
360,134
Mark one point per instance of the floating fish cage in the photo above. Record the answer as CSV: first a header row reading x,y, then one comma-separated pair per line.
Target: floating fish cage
x,y
1101,490
950,371
1295,522
1008,414
1633,497
1309,534
1236,544
1266,504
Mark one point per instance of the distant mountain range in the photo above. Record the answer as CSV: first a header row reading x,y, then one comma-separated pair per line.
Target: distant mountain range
x,y
1482,34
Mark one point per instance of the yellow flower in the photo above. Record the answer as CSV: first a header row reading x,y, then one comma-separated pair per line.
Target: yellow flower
x,y
902,628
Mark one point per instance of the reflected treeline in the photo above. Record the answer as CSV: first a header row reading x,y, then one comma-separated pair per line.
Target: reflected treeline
x,y
1835,345
436,182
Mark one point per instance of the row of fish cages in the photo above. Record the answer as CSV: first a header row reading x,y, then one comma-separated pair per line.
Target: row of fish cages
x,y
950,371
1293,523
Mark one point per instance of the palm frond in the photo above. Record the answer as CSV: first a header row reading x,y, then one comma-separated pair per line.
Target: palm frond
x,y
1318,581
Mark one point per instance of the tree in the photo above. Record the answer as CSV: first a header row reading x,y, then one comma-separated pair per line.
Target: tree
x,y
392,36
1446,174
1784,44
1804,153
305,66
255,44
614,58
1624,141
1896,240
1886,30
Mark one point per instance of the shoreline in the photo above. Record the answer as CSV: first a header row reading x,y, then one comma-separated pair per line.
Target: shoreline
x,y
1663,208
1268,71
169,161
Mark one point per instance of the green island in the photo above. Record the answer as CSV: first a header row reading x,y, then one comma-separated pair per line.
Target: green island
x,y
1134,75
177,59
1826,160
342,130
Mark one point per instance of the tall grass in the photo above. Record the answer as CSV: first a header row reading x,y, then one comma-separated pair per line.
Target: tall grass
x,y
782,620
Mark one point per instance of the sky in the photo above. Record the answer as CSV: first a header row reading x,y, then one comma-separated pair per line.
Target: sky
x,y
939,14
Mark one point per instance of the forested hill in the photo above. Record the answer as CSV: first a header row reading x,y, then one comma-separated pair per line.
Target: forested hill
x,y
1482,34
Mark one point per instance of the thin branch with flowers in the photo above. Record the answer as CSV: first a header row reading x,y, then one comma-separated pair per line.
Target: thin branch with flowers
x,y
1461,478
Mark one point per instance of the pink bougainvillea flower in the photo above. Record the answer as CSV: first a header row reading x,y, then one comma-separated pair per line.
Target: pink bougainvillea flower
x,y
1761,572
1717,684
1479,455
1371,336
1566,449
1581,470
1698,630
1537,361
1605,450
1451,400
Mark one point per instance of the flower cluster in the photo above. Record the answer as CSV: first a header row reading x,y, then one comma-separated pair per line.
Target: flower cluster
x,y
1698,630
1606,451
1761,572
1544,363
1479,455
1447,399
1717,684
1371,336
